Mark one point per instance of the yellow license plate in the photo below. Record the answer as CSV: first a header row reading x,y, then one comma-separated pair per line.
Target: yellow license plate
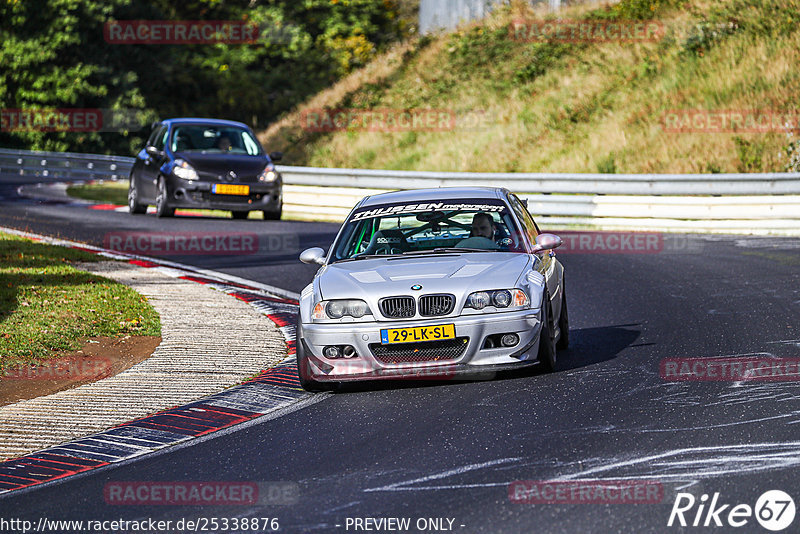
x,y
231,189
418,333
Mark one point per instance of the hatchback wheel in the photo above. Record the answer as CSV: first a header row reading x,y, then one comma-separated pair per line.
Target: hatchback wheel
x,y
162,200
134,207
274,215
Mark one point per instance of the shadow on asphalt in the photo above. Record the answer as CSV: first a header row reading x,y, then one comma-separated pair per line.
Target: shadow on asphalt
x,y
588,346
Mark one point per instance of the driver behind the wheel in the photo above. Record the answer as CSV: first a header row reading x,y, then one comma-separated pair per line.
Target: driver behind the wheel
x,y
482,226
482,234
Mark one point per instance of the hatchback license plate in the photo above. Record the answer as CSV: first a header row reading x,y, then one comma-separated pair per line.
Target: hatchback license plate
x,y
418,333
231,189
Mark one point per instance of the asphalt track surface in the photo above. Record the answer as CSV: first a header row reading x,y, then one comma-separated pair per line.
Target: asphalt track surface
x,y
451,449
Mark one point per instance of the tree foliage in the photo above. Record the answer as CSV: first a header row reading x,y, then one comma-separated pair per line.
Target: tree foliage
x,y
54,55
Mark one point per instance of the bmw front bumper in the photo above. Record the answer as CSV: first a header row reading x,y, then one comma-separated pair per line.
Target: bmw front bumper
x,y
372,362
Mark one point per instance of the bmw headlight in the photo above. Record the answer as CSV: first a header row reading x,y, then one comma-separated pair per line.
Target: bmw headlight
x,y
184,171
499,298
269,174
336,309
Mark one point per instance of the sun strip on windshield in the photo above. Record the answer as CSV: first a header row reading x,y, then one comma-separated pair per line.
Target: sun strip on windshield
x,y
405,209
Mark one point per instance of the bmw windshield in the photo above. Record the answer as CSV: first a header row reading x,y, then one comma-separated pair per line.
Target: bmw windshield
x,y
465,225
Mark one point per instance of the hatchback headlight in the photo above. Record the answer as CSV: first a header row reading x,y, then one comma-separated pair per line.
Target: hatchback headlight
x,y
269,174
184,171
336,309
499,298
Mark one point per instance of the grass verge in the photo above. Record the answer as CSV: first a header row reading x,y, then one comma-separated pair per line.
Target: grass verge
x,y
47,306
108,192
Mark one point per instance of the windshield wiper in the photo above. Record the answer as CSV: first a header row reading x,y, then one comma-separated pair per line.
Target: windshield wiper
x,y
368,257
444,250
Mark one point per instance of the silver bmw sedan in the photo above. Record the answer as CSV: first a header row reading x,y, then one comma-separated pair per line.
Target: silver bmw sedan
x,y
432,283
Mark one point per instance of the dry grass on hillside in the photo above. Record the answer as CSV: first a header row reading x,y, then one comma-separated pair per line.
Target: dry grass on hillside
x,y
570,108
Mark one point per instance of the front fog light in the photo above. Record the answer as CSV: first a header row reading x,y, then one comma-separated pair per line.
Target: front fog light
x,y
332,352
509,340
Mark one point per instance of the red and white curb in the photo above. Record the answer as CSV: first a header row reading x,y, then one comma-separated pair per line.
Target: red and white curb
x,y
273,390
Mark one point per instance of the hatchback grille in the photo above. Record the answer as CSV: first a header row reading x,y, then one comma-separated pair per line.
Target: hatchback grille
x,y
397,307
430,351
435,305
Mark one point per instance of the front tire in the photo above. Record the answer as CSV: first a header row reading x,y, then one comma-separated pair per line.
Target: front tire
x,y
303,365
274,215
547,342
134,207
563,320
162,200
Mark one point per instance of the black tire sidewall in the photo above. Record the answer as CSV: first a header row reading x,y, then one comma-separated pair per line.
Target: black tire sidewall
x,y
563,320
308,383
547,346
134,207
163,209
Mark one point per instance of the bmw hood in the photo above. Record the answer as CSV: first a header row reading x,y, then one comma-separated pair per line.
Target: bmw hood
x,y
459,274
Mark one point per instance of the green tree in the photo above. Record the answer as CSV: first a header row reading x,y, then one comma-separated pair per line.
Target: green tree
x,y
54,55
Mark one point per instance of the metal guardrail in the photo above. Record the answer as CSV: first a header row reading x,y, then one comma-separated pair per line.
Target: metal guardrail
x,y
572,183
64,165
759,203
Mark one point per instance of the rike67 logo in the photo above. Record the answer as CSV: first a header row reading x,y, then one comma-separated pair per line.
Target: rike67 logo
x,y
774,510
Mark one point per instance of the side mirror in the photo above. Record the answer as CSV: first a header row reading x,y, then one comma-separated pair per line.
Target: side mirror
x,y
313,255
546,242
276,156
153,151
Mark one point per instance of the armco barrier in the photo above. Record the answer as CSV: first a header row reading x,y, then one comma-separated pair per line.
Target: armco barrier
x,y
748,203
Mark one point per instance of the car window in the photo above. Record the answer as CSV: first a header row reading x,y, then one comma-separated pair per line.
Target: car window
x,y
525,218
214,139
161,138
420,227
154,135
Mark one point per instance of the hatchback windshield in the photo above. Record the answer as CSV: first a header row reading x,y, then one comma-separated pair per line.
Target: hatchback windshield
x,y
417,228
214,139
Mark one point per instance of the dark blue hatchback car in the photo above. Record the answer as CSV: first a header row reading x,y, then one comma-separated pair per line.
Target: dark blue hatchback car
x,y
205,163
